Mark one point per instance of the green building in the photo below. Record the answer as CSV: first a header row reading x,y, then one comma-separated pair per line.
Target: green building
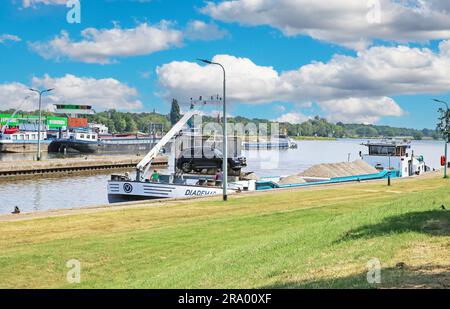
x,y
53,122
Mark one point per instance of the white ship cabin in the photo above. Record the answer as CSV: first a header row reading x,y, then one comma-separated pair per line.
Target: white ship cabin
x,y
83,136
22,137
99,128
394,155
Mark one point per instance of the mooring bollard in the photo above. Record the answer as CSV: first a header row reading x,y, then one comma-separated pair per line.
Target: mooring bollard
x,y
389,180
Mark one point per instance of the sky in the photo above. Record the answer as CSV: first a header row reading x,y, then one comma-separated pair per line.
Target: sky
x,y
355,61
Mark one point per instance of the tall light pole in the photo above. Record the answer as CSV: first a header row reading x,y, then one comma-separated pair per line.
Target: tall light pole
x,y
40,93
446,138
225,131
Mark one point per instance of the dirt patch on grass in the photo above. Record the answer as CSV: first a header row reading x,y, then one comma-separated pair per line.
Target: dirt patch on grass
x,y
426,277
437,226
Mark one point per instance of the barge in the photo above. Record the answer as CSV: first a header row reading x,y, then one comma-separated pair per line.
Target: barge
x,y
174,184
16,141
85,141
390,159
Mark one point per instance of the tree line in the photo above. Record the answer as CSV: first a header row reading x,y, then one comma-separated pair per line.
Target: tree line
x,y
123,122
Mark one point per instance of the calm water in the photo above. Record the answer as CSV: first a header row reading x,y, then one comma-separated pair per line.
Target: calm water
x,y
89,190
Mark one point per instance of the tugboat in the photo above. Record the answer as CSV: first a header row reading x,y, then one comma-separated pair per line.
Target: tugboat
x,y
394,155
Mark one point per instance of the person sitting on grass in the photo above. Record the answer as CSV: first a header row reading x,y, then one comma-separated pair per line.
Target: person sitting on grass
x,y
155,176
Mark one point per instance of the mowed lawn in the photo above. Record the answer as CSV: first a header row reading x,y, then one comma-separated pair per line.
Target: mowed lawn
x,y
319,238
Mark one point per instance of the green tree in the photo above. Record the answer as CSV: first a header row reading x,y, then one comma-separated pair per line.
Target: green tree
x,y
443,126
418,135
175,114
131,125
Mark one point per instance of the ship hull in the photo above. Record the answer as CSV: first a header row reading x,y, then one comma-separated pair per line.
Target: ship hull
x,y
124,191
128,146
72,146
22,147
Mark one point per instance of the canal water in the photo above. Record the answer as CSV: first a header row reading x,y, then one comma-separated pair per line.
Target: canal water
x,y
90,190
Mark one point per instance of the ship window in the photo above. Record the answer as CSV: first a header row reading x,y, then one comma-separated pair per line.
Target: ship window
x,y
88,136
382,150
81,135
400,151
14,137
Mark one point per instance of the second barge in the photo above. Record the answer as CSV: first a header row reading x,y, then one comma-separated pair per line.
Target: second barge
x,y
91,142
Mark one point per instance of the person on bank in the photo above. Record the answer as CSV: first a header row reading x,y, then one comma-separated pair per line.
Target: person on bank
x,y
155,176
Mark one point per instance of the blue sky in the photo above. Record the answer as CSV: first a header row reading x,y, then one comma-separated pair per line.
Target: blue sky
x,y
279,68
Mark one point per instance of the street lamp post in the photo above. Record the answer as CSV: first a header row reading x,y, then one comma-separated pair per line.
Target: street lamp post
x,y
225,131
40,93
446,140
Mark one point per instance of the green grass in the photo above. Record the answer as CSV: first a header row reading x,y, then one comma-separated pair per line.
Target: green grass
x,y
287,239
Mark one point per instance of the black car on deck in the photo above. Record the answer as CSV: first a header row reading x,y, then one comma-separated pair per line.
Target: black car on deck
x,y
199,158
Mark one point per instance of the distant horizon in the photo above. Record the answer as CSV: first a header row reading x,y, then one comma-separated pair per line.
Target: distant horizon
x,y
234,116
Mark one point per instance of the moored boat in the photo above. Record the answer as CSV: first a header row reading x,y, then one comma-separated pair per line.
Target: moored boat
x,y
173,184
88,141
276,142
394,155
13,140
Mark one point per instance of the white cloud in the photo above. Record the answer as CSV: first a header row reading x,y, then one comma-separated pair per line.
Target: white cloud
x,y
361,110
102,46
352,23
280,108
9,37
101,93
351,89
33,3
12,95
292,117
247,82
201,31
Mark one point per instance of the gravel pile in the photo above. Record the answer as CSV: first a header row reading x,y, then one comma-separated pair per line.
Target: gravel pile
x,y
344,169
291,180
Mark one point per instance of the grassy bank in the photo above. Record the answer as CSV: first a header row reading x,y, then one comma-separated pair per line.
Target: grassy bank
x,y
298,238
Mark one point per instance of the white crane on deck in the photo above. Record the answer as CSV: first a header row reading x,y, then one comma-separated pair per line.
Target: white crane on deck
x,y
143,167
13,115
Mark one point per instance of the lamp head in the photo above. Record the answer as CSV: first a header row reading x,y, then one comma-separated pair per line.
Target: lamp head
x,y
205,61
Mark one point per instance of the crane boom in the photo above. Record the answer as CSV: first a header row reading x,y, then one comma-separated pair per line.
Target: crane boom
x,y
14,114
143,166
